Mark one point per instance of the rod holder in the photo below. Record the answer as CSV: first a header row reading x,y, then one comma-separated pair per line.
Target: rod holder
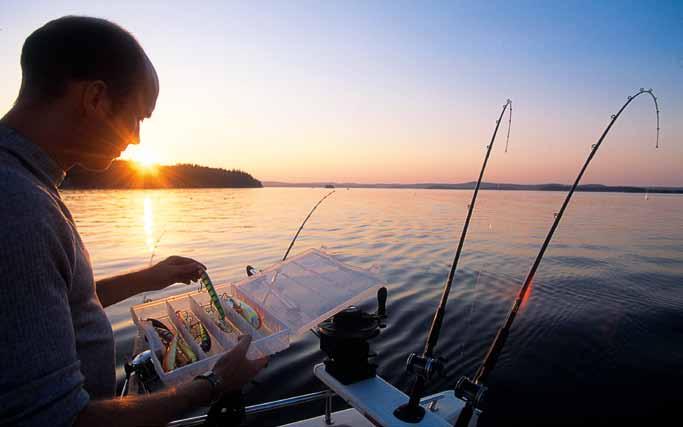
x,y
424,368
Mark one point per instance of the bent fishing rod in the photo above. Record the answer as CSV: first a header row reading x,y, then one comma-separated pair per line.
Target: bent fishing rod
x,y
425,366
304,223
472,391
251,270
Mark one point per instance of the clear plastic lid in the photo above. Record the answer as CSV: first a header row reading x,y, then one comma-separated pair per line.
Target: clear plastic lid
x,y
307,289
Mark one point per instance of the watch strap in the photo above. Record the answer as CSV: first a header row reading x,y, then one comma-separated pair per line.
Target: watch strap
x,y
216,384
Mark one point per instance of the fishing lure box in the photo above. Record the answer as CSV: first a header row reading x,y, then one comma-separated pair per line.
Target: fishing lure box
x,y
283,301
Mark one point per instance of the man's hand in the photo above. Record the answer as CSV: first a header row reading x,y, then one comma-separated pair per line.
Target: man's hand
x,y
234,369
174,269
161,407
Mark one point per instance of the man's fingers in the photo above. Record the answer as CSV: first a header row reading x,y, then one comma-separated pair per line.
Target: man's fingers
x,y
191,271
258,364
240,350
179,260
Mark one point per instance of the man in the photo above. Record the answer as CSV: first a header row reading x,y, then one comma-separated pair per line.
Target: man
x,y
86,87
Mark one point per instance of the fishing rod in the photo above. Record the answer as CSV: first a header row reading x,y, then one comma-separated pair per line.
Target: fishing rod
x,y
472,391
251,270
304,223
425,366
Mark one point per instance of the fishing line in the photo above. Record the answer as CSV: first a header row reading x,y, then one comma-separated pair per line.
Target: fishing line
x,y
425,366
151,259
470,309
472,390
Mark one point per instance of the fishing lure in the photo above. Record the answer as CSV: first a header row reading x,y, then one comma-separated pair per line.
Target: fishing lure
x,y
165,335
222,324
170,356
244,310
186,350
157,324
197,330
185,355
205,282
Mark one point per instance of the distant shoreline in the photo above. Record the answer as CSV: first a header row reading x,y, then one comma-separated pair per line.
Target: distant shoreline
x,y
593,188
127,175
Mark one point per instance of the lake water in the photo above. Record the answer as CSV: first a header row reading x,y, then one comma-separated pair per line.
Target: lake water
x,y
600,336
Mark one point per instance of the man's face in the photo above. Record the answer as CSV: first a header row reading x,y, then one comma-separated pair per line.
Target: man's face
x,y
115,127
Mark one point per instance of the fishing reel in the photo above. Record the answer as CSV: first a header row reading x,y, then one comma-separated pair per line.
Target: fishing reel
x,y
344,338
145,376
471,392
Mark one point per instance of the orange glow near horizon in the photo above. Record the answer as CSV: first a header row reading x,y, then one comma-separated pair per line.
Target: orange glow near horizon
x,y
144,159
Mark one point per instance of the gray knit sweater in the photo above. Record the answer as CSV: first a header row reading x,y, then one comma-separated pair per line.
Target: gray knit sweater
x,y
56,344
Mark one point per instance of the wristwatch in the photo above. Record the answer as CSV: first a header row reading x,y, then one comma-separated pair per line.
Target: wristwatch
x,y
216,384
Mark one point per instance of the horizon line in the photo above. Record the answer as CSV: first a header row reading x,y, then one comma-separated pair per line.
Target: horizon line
x,y
548,186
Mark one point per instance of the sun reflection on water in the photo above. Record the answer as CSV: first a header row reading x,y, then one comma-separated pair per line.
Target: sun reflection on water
x,y
148,218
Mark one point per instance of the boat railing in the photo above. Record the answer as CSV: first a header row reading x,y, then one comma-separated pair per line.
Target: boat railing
x,y
271,406
274,405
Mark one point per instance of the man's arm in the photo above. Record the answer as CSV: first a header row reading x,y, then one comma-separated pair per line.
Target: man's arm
x,y
117,288
156,409
172,270
40,380
161,408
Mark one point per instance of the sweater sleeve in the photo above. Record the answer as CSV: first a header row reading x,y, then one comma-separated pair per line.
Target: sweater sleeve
x,y
41,382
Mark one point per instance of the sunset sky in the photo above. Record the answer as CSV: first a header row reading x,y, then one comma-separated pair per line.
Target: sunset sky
x,y
396,91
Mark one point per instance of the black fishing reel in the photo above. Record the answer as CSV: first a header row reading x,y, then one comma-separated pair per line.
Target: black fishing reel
x,y
344,338
471,392
145,376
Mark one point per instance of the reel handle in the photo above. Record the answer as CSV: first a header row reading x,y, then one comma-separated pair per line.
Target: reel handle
x,y
382,302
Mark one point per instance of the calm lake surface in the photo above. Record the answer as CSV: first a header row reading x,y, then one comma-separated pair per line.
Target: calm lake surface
x,y
600,336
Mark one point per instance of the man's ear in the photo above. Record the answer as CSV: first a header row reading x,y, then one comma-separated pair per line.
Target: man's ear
x,y
95,99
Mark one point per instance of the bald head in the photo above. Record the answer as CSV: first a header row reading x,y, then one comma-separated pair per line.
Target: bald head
x,y
86,87
149,87
75,48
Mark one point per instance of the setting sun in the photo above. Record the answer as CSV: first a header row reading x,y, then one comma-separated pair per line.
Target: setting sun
x,y
144,159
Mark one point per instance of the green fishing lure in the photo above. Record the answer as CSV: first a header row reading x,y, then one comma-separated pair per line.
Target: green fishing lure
x,y
205,282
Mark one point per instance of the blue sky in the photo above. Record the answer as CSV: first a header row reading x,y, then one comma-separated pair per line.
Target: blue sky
x,y
398,91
